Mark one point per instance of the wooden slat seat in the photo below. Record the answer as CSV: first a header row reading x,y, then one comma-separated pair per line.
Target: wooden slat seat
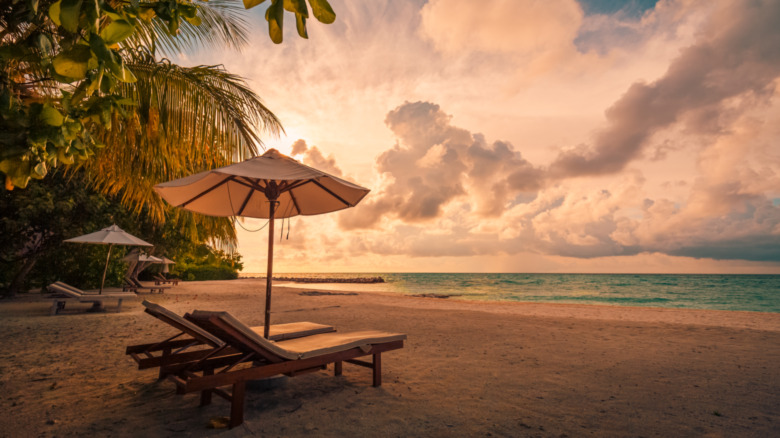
x,y
255,357
62,292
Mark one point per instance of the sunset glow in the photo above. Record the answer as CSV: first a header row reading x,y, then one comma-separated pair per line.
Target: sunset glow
x,y
529,136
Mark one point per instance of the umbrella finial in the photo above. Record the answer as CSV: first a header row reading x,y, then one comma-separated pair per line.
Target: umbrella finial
x,y
271,190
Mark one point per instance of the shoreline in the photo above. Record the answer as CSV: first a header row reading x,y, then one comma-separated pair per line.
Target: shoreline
x,y
467,368
714,292
607,312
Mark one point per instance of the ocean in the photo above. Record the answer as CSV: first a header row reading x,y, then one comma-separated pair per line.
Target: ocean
x,y
759,293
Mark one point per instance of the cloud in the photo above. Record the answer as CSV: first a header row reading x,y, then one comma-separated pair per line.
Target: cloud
x,y
313,157
735,58
502,151
446,191
435,163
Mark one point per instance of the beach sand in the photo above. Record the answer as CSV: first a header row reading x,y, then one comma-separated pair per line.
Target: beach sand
x,y
467,369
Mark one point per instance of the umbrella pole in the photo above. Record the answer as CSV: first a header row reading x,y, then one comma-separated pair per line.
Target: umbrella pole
x,y
269,269
108,257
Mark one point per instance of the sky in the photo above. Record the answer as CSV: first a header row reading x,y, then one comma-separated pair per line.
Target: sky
x,y
527,135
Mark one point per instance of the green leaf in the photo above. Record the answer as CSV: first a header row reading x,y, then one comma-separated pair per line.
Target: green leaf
x,y
322,11
17,171
146,13
126,76
188,11
64,156
116,32
195,21
73,63
300,24
115,68
275,17
50,116
54,13
71,130
248,4
100,49
297,7
69,14
94,83
44,44
92,12
39,170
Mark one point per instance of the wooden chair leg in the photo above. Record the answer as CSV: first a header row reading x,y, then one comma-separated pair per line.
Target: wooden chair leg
x,y
237,404
377,369
337,368
205,395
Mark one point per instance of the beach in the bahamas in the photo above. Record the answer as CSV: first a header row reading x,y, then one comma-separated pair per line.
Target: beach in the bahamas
x,y
468,368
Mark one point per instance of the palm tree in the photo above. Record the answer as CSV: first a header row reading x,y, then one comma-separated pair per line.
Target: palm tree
x,y
187,119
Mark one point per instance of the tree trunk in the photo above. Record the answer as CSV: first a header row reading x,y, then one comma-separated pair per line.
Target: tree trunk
x,y
18,281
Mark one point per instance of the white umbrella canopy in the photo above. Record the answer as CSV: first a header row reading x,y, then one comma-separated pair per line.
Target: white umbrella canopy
x,y
270,186
140,257
110,236
138,262
166,261
244,189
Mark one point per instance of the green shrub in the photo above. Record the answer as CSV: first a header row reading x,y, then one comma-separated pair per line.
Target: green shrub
x,y
200,273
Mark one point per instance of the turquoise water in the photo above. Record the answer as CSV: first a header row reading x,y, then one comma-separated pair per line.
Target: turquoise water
x,y
721,292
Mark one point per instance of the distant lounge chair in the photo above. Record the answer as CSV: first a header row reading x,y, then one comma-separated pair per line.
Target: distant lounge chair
x,y
258,358
159,279
128,285
63,292
200,342
134,285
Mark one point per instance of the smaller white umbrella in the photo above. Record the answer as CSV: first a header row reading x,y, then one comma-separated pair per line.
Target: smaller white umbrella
x,y
110,236
166,261
138,262
143,258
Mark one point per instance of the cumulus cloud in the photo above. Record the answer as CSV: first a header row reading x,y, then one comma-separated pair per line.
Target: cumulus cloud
x,y
435,163
448,192
685,165
313,157
735,58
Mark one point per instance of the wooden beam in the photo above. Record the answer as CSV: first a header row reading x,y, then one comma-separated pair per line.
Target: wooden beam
x,y
272,369
237,404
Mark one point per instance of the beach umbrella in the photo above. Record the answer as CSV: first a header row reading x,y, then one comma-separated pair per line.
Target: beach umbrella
x,y
110,236
165,262
271,186
139,261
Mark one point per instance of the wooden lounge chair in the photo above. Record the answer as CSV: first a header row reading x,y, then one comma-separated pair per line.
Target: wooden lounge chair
x,y
259,358
159,279
128,285
62,292
134,285
200,343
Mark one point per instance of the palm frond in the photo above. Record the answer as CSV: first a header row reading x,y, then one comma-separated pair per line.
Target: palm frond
x,y
222,24
188,119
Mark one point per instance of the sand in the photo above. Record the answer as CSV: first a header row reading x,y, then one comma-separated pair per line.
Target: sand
x,y
467,369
